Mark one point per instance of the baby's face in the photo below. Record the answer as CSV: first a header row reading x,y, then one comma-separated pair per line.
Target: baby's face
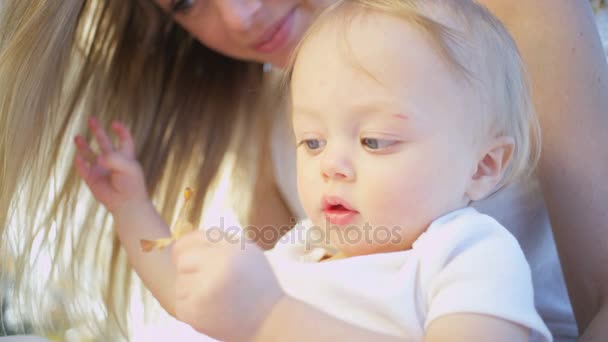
x,y
384,133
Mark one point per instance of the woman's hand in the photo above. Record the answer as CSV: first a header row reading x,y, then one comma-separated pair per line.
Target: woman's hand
x,y
225,287
114,176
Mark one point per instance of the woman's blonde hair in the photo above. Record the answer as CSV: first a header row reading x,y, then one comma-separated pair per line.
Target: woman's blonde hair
x,y
187,106
479,48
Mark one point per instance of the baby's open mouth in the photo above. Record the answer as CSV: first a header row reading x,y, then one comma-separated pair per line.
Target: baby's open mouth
x,y
337,211
337,207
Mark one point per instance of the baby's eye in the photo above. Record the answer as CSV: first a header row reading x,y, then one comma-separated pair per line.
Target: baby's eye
x,y
181,6
376,144
312,145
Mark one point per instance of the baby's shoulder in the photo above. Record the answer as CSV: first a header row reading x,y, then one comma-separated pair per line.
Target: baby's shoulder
x,y
467,234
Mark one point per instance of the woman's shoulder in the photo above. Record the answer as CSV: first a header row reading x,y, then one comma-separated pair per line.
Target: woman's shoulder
x,y
508,9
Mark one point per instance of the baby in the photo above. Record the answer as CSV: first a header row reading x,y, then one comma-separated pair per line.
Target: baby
x,y
404,113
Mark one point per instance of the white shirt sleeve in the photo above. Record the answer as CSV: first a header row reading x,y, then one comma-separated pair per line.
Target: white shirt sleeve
x,y
478,267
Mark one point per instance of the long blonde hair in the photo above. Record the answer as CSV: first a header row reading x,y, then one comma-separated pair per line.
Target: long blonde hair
x,y
187,106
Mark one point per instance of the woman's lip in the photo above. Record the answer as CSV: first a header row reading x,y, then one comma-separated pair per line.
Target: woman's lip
x,y
276,36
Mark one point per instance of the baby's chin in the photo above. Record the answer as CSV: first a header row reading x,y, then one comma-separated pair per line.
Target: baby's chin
x,y
358,237
360,249
353,244
368,245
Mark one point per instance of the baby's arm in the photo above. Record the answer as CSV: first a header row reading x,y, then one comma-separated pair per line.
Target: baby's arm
x,y
298,321
116,180
472,327
294,320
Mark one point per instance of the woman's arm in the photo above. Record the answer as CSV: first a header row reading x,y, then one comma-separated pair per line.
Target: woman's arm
x,y
563,54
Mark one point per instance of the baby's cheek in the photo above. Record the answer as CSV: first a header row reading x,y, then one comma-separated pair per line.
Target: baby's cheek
x,y
309,190
400,207
397,220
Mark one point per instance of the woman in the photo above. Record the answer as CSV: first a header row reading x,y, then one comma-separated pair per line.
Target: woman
x,y
62,61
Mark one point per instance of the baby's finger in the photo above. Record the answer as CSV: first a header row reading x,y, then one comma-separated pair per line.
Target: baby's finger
x,y
127,146
192,241
181,228
105,144
190,261
84,150
183,290
91,173
82,167
117,161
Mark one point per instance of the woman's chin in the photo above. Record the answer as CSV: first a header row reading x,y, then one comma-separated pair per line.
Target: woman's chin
x,y
279,60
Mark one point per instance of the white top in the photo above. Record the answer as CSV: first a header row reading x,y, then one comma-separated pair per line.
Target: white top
x,y
465,262
526,219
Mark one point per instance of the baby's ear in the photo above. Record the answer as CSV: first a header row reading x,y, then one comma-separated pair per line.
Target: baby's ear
x,y
491,167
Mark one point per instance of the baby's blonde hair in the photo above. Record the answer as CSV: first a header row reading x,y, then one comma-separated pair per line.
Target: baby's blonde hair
x,y
470,39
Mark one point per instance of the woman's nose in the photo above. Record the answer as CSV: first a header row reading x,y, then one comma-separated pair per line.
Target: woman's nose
x,y
337,166
239,15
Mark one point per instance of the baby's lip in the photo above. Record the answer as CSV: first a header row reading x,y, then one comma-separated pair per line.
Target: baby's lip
x,y
330,203
337,211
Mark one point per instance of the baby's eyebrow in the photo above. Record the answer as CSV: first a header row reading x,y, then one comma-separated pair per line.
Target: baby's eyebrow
x,y
401,116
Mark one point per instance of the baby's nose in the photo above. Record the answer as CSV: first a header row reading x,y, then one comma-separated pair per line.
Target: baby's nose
x,y
336,166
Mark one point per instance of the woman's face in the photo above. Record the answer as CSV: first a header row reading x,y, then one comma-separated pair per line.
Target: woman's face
x,y
255,30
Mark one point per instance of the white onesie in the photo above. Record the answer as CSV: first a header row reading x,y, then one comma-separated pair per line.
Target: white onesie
x,y
465,262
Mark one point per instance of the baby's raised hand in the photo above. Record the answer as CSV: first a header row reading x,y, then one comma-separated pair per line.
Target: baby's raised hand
x,y
114,176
